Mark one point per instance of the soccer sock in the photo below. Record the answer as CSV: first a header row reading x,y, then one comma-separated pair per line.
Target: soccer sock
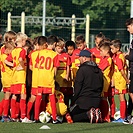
x,y
29,107
6,107
53,105
112,106
23,108
37,106
43,105
17,109
1,107
105,110
13,108
123,109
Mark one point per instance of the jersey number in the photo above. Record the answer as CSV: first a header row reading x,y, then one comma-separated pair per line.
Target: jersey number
x,y
45,63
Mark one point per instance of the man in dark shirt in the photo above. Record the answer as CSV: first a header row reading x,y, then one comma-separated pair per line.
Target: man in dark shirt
x,y
129,57
87,90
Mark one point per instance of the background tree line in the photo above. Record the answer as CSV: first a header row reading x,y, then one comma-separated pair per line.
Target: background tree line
x,y
106,16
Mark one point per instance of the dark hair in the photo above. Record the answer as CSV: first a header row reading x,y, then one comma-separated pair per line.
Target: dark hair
x,y
129,21
42,40
69,43
52,39
80,39
29,44
35,41
105,45
116,43
100,35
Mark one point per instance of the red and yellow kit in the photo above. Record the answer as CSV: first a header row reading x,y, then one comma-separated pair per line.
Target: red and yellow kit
x,y
47,60
18,76
105,65
119,64
6,74
60,105
34,55
75,63
65,61
96,55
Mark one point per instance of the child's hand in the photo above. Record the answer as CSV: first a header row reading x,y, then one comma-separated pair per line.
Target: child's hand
x,y
66,78
128,81
18,68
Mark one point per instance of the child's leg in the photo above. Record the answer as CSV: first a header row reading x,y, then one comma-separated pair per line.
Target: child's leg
x,y
112,106
6,103
1,106
13,107
30,104
123,106
37,106
53,105
104,107
23,105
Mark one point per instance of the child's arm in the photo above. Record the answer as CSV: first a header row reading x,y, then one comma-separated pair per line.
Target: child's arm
x,y
124,76
8,63
67,72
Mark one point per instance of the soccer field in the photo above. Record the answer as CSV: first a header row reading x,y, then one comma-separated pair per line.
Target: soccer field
x,y
65,128
14,127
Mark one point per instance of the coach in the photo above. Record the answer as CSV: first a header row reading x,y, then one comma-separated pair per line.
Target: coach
x,y
87,89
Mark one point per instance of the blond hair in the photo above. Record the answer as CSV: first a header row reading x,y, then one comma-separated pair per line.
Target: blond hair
x,y
60,43
21,37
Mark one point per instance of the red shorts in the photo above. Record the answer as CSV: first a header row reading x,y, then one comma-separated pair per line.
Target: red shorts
x,y
123,92
34,91
67,90
18,89
6,89
44,90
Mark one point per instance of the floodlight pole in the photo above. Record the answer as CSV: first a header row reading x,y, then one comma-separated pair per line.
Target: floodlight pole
x,y
44,17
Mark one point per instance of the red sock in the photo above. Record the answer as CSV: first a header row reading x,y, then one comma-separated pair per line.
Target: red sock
x,y
43,105
53,105
105,110
6,107
123,108
13,108
1,107
17,109
112,106
29,107
37,107
23,108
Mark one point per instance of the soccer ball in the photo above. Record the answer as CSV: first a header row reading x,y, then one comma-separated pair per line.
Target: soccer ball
x,y
44,117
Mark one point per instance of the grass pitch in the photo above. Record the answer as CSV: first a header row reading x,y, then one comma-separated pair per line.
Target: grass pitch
x,y
14,127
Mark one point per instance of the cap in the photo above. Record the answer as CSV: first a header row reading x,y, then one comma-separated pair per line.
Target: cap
x,y
85,53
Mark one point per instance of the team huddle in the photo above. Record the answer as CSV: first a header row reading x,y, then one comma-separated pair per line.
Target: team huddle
x,y
38,75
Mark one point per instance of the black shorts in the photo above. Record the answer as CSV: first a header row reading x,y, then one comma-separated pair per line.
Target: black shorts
x,y
131,83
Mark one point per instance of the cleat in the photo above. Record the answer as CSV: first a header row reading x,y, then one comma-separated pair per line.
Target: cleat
x,y
120,120
5,119
92,115
68,118
56,122
26,120
98,116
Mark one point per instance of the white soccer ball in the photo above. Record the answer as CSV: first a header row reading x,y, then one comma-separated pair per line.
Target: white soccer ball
x,y
117,115
44,117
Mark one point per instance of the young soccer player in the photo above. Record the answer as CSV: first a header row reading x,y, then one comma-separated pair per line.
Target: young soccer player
x,y
105,65
63,71
6,77
18,57
120,77
95,51
39,43
48,63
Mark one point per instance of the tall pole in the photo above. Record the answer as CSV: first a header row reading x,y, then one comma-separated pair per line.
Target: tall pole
x,y
87,34
23,22
73,28
131,16
9,22
44,17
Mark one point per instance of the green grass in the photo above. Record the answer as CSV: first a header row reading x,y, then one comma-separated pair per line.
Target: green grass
x,y
65,128
14,127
